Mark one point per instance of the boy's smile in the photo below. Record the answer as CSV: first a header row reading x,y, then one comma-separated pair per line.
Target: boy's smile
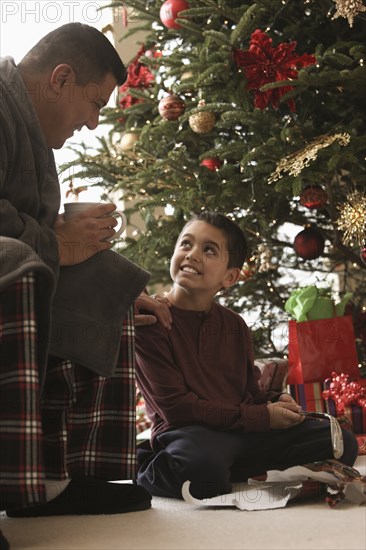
x,y
189,269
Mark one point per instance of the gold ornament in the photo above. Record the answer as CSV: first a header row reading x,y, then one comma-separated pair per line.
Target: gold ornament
x,y
186,75
352,219
294,163
348,9
265,259
203,121
128,141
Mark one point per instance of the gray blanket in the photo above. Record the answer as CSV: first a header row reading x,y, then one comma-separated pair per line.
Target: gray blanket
x,y
89,306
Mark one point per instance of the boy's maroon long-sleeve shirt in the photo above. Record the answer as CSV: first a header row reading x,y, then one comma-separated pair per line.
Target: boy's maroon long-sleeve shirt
x,y
200,372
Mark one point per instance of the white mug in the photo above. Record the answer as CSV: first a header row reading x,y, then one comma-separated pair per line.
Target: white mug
x,y
73,208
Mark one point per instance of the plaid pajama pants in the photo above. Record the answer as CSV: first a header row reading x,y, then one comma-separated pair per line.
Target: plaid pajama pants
x,y
82,424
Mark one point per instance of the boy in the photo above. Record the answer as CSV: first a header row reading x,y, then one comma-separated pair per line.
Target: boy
x,y
211,424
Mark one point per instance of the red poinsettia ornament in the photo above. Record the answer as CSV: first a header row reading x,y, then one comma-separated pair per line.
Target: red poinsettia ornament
x,y
264,64
138,76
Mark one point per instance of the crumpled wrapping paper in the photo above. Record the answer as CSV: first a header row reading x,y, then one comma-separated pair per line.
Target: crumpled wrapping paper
x,y
341,482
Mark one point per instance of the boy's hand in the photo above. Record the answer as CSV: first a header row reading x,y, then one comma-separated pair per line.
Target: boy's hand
x,y
287,398
159,308
284,414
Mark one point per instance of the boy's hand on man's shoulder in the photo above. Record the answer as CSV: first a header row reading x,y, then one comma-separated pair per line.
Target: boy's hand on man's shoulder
x,y
158,309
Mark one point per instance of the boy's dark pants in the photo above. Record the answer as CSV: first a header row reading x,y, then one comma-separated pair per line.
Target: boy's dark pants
x,y
212,459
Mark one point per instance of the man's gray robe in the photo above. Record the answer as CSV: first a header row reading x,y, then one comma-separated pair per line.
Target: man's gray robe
x,y
83,306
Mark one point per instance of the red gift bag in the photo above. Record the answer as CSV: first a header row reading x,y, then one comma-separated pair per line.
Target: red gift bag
x,y
318,348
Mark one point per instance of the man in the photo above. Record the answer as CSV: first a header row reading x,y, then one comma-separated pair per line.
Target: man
x,y
66,354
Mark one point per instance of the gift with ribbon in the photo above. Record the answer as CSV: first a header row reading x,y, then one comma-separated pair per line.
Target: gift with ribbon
x,y
346,397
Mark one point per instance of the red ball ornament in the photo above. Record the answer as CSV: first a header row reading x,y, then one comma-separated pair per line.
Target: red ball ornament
x,y
171,107
313,196
309,243
212,163
169,12
363,254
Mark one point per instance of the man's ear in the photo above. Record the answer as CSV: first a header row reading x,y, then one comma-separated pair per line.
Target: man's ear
x,y
61,75
232,276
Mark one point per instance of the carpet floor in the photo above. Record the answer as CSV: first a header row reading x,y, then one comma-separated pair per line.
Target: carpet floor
x,y
174,524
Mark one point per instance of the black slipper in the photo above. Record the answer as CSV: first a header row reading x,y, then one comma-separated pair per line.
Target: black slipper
x,y
4,545
90,496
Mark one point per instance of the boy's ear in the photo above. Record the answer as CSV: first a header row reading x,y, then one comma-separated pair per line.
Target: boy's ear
x,y
232,276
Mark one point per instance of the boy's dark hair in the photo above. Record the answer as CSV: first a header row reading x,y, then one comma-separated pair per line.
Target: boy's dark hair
x,y
87,50
236,241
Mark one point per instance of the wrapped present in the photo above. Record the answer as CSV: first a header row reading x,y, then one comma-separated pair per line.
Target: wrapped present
x,y
273,373
309,396
346,397
361,440
321,337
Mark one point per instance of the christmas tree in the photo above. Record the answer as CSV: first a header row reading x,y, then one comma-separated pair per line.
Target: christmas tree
x,y
257,110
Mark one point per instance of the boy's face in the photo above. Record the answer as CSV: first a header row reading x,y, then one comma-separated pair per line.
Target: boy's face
x,y
200,259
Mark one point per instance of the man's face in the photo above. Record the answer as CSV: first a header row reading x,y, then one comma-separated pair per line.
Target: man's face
x,y
75,107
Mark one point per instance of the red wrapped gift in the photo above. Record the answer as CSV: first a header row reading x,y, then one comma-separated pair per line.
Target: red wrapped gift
x,y
273,373
316,348
309,396
347,397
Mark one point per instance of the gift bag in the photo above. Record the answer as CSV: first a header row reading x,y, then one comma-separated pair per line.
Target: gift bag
x,y
318,348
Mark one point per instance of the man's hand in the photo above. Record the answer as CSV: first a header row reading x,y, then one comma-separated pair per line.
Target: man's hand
x,y
159,308
85,234
284,414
